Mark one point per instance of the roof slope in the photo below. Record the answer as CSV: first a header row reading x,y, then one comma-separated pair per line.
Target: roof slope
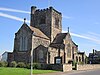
x,y
59,38
38,33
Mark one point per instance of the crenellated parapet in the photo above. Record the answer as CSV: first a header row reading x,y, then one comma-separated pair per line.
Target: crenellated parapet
x,y
33,8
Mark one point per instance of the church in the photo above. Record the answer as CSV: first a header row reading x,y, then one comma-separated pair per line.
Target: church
x,y
44,36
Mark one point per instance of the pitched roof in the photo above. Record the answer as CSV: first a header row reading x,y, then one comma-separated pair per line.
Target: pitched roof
x,y
59,38
74,43
38,33
58,41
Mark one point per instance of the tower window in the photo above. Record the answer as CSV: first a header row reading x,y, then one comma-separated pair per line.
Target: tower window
x,y
56,22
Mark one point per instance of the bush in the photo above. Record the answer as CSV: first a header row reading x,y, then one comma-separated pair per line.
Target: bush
x,y
74,64
49,67
3,64
13,64
21,65
36,66
28,66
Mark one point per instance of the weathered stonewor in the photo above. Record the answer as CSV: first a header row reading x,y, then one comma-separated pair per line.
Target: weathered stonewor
x,y
67,67
88,66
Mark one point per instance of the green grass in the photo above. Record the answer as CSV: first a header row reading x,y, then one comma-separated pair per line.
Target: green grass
x,y
42,71
21,71
14,71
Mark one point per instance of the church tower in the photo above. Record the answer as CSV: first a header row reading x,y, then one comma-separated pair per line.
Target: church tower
x,y
47,20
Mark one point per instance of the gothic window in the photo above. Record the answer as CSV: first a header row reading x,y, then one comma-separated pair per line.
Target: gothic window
x,y
23,43
73,52
42,21
56,23
79,59
76,59
69,50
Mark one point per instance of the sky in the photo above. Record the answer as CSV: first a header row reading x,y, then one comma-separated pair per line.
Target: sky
x,y
81,16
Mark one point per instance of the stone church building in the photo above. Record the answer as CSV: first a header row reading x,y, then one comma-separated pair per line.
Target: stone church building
x,y
44,36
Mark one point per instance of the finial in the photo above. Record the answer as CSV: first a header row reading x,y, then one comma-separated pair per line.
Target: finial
x,y
24,20
68,29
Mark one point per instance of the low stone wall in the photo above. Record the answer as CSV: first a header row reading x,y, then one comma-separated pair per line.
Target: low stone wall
x,y
88,67
67,67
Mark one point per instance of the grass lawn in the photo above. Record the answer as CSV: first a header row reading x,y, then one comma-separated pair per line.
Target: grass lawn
x,y
21,71
42,71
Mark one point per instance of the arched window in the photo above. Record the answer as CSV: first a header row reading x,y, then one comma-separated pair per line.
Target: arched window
x,y
73,52
76,59
79,59
68,50
40,55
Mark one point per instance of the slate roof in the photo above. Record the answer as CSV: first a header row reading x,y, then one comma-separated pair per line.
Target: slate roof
x,y
38,33
59,38
58,41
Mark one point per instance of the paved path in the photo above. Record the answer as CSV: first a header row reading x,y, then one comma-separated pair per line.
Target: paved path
x,y
88,72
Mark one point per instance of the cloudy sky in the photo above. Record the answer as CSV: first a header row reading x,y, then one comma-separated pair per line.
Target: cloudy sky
x,y
81,16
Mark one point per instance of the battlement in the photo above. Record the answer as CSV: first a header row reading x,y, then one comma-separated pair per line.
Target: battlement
x,y
33,8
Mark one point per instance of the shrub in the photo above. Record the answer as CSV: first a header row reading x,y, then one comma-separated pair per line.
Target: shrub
x,y
3,64
74,64
36,66
28,66
21,65
49,67
13,64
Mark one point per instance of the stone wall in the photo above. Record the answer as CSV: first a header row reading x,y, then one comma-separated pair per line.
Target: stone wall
x,y
88,67
67,67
